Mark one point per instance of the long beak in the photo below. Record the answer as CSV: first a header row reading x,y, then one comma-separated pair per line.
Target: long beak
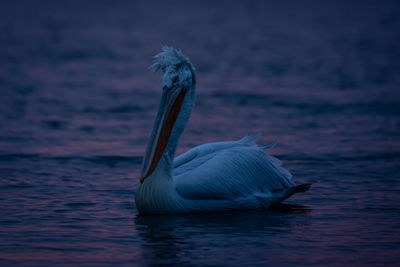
x,y
169,112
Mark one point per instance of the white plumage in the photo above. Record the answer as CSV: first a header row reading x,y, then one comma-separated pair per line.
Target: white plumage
x,y
215,176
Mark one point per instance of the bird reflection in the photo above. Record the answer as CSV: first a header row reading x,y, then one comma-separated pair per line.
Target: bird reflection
x,y
168,239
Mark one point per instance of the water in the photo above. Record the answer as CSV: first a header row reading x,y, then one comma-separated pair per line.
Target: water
x,y
78,102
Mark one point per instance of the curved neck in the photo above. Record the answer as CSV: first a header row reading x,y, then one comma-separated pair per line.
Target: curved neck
x,y
159,158
166,162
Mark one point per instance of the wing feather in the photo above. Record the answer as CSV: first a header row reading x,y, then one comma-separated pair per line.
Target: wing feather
x,y
237,170
200,154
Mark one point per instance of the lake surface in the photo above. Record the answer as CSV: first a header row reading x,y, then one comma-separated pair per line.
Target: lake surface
x,y
78,102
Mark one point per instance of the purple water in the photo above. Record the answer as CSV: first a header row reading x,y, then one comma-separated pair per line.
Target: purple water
x,y
78,102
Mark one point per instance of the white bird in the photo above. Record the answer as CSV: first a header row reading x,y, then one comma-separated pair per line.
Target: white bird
x,y
210,177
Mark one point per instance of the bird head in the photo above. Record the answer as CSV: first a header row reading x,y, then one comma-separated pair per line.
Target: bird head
x,y
178,83
177,70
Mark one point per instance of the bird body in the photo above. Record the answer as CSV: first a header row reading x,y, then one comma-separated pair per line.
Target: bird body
x,y
215,176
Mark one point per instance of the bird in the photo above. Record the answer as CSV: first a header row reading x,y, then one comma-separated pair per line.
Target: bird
x,y
219,176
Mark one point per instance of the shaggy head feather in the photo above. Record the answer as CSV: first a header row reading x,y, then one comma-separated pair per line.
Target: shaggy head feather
x,y
176,68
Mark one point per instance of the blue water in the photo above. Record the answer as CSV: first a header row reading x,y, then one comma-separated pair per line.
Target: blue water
x,y
77,105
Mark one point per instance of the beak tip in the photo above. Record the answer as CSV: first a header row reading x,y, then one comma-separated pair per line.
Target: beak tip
x,y
141,179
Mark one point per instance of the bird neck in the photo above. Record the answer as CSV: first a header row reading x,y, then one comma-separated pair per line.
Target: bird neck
x,y
166,162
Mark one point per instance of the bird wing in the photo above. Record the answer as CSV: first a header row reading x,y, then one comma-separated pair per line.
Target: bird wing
x,y
200,154
228,170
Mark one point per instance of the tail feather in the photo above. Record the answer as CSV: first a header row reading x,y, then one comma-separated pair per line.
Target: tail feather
x,y
296,189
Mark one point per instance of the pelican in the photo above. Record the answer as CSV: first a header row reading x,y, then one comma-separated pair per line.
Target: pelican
x,y
230,175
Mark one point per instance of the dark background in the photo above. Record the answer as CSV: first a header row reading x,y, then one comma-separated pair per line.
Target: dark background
x,y
77,103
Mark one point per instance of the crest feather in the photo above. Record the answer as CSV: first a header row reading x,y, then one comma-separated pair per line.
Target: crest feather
x,y
169,56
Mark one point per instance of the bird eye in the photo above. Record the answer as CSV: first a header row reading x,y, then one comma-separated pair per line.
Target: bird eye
x,y
174,80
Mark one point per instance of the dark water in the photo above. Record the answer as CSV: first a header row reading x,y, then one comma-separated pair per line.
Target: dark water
x,y
78,102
